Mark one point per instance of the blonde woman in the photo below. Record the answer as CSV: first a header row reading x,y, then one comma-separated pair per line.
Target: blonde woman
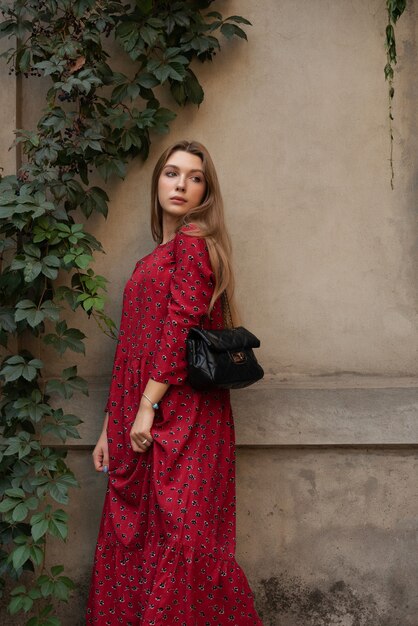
x,y
166,547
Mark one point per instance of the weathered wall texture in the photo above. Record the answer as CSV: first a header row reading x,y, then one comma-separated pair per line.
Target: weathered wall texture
x,y
327,267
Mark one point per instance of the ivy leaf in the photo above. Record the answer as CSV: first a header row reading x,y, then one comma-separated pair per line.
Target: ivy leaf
x,y
238,19
230,30
55,66
47,460
20,555
28,310
17,367
68,383
77,257
55,585
162,72
120,93
6,244
127,34
69,295
39,529
162,118
147,80
93,283
61,591
54,522
50,265
178,92
64,338
63,426
58,527
21,445
74,192
181,18
32,407
17,604
95,199
55,119
9,210
7,321
24,59
193,89
109,167
36,555
133,91
57,569
155,22
46,585
49,621
7,504
58,488
91,303
149,35
50,310
7,28
31,267
21,510
15,493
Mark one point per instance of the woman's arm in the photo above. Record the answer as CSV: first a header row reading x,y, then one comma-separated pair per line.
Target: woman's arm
x,y
191,288
141,428
101,451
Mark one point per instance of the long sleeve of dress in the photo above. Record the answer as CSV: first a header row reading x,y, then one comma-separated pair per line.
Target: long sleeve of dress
x,y
191,288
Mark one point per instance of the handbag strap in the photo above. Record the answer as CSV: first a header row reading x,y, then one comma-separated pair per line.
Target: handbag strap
x,y
226,310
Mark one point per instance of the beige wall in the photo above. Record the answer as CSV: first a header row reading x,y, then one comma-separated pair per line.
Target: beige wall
x,y
296,120
327,268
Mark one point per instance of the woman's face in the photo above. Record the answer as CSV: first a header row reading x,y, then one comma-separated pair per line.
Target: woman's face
x,y
182,184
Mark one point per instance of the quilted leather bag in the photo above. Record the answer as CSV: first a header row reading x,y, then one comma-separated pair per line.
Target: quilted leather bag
x,y
222,358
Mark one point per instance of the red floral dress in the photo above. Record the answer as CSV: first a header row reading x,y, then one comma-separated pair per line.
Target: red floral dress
x,y
166,545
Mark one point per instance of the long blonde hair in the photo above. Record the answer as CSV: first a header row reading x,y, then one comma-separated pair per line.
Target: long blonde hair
x,y
208,217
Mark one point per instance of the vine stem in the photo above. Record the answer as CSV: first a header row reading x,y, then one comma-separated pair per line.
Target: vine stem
x,y
390,58
395,9
392,171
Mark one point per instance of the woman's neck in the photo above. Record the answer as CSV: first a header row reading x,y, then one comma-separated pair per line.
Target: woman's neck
x,y
169,228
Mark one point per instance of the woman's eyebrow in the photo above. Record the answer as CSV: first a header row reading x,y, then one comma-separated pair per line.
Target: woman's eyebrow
x,y
177,168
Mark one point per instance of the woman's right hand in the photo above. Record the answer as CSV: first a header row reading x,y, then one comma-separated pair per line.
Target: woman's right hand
x,y
101,453
140,435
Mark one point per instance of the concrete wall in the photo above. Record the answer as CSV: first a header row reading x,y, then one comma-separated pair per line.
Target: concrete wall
x,y
327,270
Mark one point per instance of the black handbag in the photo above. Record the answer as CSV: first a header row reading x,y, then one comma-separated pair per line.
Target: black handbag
x,y
222,358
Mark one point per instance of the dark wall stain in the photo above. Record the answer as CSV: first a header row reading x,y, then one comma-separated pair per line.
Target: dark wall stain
x,y
289,601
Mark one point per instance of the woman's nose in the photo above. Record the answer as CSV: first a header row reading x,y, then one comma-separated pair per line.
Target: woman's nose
x,y
181,183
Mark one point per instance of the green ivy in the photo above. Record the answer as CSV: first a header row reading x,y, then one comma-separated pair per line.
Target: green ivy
x,y
95,120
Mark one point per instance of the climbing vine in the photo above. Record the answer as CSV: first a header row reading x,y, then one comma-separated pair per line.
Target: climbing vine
x,y
395,8
95,120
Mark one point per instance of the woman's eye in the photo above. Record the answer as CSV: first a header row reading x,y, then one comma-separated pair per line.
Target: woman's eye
x,y
170,174
196,179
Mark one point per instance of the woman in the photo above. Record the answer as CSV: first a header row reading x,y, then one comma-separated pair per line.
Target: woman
x,y
165,552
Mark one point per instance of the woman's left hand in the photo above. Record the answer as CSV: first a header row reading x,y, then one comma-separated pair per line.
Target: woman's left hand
x,y
141,438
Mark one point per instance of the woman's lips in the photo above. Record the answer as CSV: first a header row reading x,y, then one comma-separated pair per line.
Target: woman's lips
x,y
178,200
